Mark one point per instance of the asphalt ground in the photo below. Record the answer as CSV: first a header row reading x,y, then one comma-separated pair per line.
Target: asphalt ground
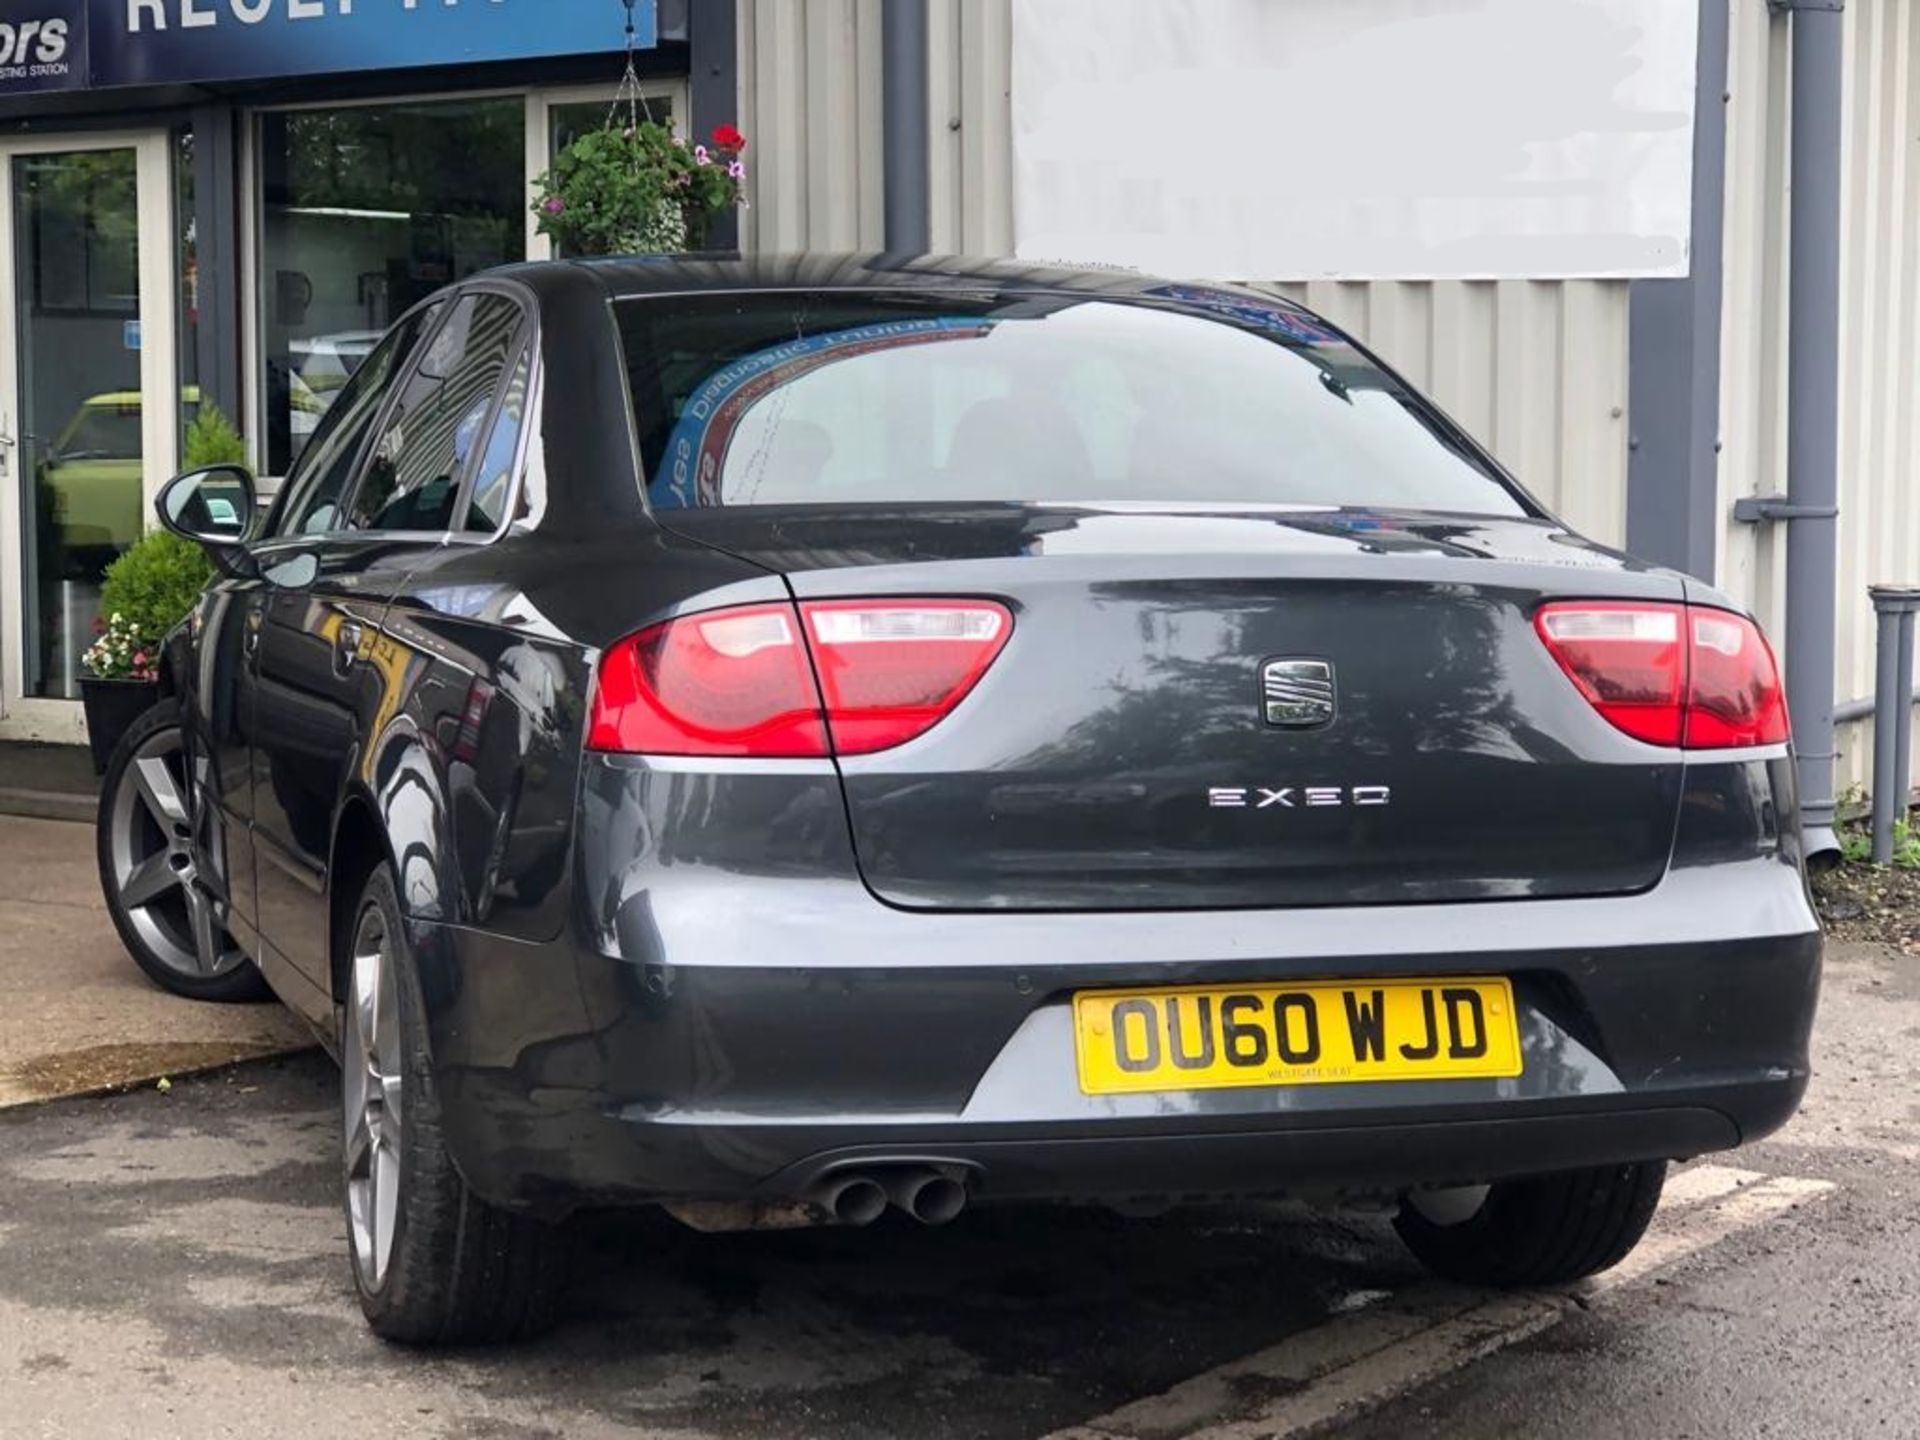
x,y
172,1264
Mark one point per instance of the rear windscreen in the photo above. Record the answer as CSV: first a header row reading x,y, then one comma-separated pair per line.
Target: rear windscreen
x,y
1196,397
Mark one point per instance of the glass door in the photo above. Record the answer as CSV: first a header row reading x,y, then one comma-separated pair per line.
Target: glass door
x,y
90,403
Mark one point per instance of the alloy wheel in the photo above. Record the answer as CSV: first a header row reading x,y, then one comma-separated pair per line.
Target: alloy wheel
x,y
371,1070
157,869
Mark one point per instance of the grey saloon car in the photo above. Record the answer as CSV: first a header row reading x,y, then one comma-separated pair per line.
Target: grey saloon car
x,y
789,740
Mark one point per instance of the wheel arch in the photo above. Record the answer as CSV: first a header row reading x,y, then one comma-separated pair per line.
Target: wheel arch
x,y
359,845
401,818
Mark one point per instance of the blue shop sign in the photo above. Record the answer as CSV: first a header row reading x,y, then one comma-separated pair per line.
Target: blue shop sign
x,y
164,42
43,46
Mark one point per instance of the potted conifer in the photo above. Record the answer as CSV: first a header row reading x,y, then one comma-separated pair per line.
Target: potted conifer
x,y
146,592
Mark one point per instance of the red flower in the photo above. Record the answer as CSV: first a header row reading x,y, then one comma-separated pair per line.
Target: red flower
x,y
728,138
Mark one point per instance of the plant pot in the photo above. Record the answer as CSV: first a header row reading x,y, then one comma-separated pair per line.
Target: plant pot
x,y
111,708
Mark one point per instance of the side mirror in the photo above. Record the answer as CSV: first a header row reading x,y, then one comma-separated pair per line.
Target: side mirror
x,y
214,508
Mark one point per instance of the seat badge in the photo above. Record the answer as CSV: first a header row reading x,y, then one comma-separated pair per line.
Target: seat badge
x,y
1297,694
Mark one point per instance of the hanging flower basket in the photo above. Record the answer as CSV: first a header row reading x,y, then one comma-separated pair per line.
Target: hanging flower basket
x,y
639,189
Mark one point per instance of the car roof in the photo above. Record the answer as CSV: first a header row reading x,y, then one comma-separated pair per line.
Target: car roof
x,y
122,399
623,277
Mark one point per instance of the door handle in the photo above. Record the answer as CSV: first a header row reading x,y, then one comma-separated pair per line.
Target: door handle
x,y
346,645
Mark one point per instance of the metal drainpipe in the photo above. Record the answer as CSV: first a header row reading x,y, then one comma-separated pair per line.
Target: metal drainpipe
x,y
903,116
1813,399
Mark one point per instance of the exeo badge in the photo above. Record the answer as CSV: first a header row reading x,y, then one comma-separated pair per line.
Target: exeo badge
x,y
1296,797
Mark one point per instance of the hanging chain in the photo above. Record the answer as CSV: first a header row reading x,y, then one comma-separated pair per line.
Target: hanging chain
x,y
630,94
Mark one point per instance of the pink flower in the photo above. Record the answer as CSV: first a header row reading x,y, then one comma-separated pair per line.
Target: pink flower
x,y
700,156
554,205
139,657
737,170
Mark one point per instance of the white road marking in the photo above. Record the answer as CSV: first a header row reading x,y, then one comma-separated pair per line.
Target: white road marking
x,y
1705,1182
1357,1361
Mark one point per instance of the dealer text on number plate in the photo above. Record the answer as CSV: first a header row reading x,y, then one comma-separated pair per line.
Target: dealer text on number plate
x,y
1196,1038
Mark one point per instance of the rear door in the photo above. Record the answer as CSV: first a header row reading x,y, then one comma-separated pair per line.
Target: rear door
x,y
327,575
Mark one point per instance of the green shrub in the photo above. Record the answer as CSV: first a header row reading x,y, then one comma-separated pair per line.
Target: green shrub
x,y
1856,844
155,583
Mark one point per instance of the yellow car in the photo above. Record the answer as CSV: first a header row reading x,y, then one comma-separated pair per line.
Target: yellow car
x,y
90,483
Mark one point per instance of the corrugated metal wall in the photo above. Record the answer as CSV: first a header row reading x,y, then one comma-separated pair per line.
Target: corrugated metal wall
x,y
810,83
1537,370
1879,333
810,104
970,75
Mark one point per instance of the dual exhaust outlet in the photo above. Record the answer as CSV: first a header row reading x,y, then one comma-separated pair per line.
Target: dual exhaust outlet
x,y
859,1197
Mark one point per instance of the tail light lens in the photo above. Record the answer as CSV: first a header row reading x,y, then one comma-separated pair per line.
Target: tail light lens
x,y
1670,674
730,682
1735,697
890,670
742,681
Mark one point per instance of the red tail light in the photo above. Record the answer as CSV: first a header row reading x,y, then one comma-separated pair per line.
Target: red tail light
x,y
740,681
1670,674
891,669
729,682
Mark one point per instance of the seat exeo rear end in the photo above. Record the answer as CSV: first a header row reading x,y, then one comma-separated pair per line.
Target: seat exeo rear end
x,y
1064,737
1174,762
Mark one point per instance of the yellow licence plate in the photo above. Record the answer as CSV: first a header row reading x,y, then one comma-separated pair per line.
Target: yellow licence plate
x,y
1324,1033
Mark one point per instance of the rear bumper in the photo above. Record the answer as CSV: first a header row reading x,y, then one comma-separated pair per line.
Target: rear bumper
x,y
817,1029
1392,1150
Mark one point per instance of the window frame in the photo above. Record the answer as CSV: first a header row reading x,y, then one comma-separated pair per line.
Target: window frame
x,y
290,495
526,348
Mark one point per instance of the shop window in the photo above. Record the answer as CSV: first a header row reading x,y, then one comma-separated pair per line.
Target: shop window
x,y
367,210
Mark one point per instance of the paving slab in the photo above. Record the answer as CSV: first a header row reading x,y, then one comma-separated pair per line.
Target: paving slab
x,y
53,782
76,1015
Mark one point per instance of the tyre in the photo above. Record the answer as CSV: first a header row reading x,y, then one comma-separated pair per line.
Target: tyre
x,y
158,863
433,1263
1544,1230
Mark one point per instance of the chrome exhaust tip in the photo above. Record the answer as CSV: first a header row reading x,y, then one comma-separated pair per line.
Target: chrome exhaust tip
x,y
850,1198
930,1196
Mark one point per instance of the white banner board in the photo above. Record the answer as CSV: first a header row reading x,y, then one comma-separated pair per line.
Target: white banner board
x,y
1356,139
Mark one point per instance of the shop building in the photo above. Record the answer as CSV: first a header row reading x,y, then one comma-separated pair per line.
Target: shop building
x,y
226,201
